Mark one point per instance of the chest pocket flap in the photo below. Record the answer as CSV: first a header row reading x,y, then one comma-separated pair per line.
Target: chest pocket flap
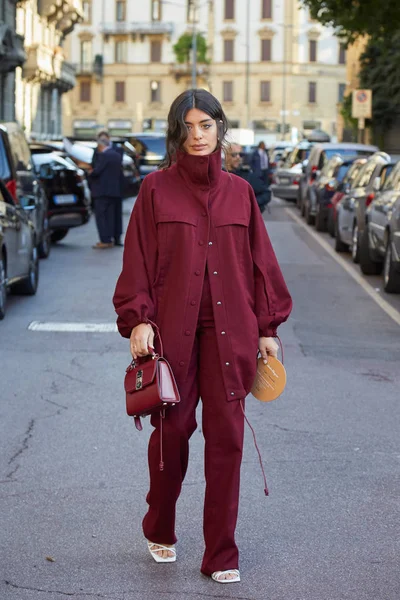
x,y
223,220
176,218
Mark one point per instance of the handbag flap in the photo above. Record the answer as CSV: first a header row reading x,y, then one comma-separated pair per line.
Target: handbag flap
x,y
140,376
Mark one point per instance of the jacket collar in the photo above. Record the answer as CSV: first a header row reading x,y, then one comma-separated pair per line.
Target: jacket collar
x,y
199,170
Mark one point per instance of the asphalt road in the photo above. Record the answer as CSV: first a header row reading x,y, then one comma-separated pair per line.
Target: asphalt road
x,y
73,468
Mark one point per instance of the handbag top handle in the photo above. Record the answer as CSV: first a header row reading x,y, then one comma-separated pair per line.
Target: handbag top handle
x,y
157,332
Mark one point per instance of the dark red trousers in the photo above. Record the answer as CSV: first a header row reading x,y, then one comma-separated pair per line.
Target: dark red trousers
x,y
223,426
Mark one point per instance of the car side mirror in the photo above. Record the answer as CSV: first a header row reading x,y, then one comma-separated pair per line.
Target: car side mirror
x,y
377,184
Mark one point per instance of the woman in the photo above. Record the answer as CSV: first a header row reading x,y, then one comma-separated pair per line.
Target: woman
x,y
198,262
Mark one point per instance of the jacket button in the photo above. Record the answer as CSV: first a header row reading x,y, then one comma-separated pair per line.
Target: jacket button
x,y
215,273
219,303
181,364
197,273
232,393
210,243
223,332
193,303
227,364
187,332
201,243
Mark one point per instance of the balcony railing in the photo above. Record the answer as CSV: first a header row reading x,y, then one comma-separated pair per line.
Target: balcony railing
x,y
140,28
67,75
39,64
185,70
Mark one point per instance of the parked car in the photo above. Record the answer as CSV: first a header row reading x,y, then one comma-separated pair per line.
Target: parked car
x,y
319,156
351,209
18,174
331,177
287,178
19,259
382,234
151,149
275,155
66,188
343,188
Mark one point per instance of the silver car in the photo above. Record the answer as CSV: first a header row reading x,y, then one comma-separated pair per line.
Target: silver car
x,y
287,178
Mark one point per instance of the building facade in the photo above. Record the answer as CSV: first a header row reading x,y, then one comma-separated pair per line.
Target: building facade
x,y
275,70
12,55
45,75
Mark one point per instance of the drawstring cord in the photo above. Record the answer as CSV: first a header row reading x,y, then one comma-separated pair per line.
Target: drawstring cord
x,y
266,492
162,417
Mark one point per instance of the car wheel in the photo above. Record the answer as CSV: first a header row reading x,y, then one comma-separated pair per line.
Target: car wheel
x,y
320,224
331,223
28,286
309,218
355,247
3,288
391,277
58,234
45,245
368,266
339,245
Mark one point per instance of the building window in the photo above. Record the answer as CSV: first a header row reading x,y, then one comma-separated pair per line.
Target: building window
x,y
120,51
342,54
266,10
155,51
120,91
342,89
228,50
266,50
265,91
155,91
312,51
229,9
120,10
86,54
312,92
85,91
156,10
87,11
227,91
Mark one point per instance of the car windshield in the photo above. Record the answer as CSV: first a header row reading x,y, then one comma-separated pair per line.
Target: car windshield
x,y
343,169
392,178
347,152
5,172
365,174
353,172
296,156
155,145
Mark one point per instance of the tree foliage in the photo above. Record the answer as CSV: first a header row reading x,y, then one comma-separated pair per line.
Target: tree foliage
x,y
353,18
183,48
380,72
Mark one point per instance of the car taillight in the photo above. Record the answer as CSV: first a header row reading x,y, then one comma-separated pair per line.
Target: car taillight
x,y
296,182
273,165
314,168
12,188
369,199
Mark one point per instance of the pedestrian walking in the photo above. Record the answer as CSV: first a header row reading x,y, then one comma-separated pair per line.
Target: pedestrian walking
x,y
234,164
259,162
106,189
198,262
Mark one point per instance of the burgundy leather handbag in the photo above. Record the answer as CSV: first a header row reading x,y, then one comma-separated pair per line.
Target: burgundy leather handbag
x,y
150,387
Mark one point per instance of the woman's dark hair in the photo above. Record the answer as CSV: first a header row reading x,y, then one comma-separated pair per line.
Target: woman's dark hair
x,y
177,130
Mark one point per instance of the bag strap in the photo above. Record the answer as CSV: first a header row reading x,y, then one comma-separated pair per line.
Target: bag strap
x,y
157,331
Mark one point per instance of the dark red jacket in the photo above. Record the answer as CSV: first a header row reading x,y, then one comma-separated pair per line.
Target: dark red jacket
x,y
186,218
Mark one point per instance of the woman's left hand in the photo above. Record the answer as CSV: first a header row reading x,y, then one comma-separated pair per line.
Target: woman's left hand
x,y
268,347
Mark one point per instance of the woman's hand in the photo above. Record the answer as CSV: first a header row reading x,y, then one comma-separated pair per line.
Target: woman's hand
x,y
268,347
142,340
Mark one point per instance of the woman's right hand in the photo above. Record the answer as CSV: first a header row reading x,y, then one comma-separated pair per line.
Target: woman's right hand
x,y
142,340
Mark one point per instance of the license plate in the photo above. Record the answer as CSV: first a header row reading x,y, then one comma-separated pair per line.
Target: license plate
x,y
65,199
284,180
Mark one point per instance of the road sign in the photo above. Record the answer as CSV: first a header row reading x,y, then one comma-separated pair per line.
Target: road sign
x,y
362,104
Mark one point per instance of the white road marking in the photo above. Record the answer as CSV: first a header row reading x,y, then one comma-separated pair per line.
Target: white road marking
x,y
381,302
73,327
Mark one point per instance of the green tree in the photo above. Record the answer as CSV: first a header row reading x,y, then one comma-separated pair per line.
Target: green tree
x,y
353,18
380,72
183,49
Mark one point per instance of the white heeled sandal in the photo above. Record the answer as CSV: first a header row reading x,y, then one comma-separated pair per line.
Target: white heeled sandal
x,y
161,548
217,576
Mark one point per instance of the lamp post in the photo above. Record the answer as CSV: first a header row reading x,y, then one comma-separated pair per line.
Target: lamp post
x,y
194,48
248,64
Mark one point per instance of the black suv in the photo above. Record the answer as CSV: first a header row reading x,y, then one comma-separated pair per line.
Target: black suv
x,y
18,174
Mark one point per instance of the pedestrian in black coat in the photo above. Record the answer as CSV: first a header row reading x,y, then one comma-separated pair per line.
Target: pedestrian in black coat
x,y
233,164
106,188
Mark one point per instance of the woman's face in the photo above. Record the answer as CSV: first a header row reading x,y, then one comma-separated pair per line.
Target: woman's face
x,y
202,136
